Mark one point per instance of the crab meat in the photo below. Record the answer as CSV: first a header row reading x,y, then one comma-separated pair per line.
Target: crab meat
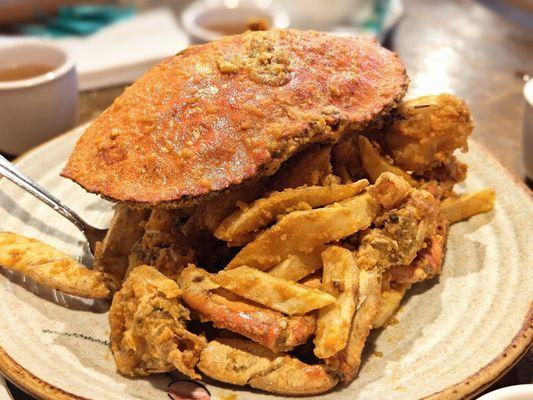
x,y
162,246
111,255
400,233
148,333
428,262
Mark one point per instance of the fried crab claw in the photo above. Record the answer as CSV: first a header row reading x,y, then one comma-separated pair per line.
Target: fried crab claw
x,y
225,310
241,362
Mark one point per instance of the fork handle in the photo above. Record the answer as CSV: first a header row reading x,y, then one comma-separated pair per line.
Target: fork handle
x,y
15,175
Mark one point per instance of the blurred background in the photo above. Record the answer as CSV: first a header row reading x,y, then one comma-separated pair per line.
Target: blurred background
x,y
479,50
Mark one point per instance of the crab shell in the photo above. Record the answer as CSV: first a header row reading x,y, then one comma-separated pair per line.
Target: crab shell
x,y
229,111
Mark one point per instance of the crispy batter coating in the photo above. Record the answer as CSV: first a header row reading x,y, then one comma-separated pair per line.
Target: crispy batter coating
x,y
340,279
455,209
270,328
162,246
50,267
428,262
148,334
208,215
389,304
218,114
260,213
440,180
400,233
428,132
299,266
241,362
310,167
279,294
346,363
346,159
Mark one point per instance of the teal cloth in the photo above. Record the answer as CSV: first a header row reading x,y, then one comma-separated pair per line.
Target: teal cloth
x,y
82,20
375,23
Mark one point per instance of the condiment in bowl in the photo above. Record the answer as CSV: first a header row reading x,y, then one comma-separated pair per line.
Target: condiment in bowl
x,y
38,94
208,20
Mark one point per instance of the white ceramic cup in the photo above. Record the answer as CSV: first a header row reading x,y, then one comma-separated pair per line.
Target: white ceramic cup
x,y
199,16
518,392
36,109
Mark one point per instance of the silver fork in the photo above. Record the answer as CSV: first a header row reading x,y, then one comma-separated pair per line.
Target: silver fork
x,y
92,234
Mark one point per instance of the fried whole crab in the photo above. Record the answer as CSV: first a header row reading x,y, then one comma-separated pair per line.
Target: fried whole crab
x,y
284,198
395,232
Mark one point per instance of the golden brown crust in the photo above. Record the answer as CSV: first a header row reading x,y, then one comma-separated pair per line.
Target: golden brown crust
x,y
148,333
268,327
428,262
242,362
218,114
50,267
429,130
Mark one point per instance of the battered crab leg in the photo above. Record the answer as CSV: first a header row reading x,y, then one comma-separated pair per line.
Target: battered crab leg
x,y
346,363
50,267
396,238
270,328
241,362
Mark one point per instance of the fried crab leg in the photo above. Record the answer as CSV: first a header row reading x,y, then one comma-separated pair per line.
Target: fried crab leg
x,y
396,238
241,362
270,328
51,267
346,363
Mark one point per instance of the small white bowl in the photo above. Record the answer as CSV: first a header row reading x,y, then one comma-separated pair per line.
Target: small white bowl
x,y
35,109
518,392
200,18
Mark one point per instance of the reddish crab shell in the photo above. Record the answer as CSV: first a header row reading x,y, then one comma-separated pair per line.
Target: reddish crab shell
x,y
218,114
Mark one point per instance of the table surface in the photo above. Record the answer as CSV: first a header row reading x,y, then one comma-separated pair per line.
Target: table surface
x,y
458,47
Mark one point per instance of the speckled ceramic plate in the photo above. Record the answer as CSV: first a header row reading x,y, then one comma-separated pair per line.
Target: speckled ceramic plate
x,y
454,335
